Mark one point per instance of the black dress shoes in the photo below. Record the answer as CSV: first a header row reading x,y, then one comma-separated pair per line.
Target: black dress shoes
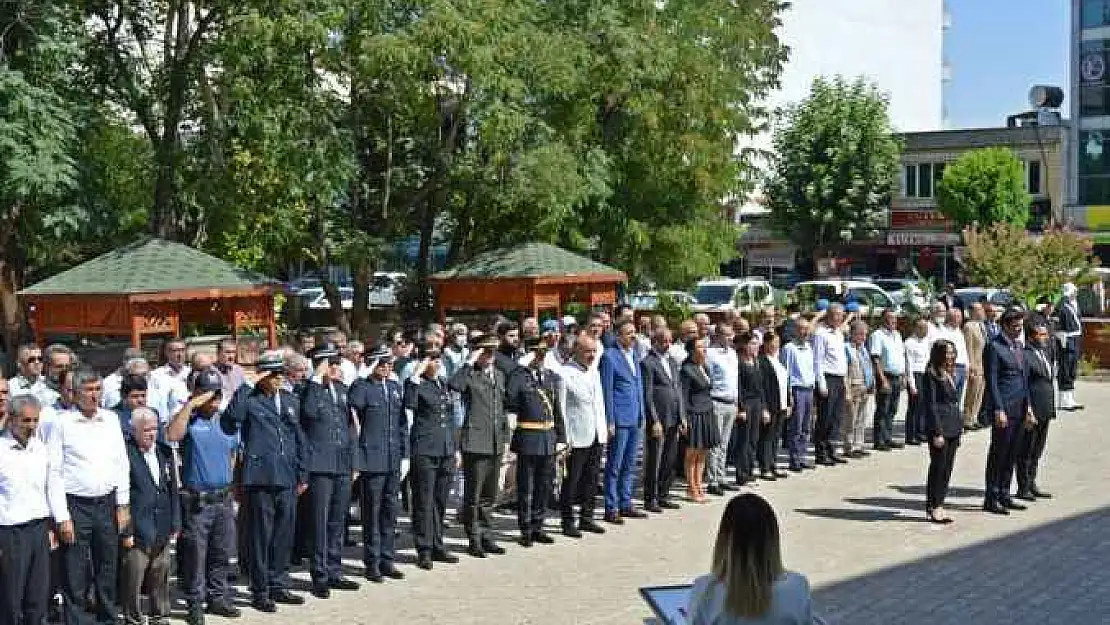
x,y
543,538
475,550
653,508
343,584
782,475
882,447
895,445
838,459
729,487
526,540
392,573
1010,504
1025,496
995,508
491,547
286,597
570,531
613,517
321,591
374,577
591,526
424,561
1039,494
225,610
633,513
667,504
445,557
264,604
716,491
797,468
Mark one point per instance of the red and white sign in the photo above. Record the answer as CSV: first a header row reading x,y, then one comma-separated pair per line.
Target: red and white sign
x,y
920,220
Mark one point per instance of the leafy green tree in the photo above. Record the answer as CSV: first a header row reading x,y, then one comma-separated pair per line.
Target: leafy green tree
x,y
985,187
835,164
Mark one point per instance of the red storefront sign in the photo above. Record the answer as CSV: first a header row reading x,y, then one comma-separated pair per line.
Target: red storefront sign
x,y
920,220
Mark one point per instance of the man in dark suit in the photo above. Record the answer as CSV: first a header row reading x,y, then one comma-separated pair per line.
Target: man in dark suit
x,y
482,438
624,413
1004,367
508,346
664,412
1070,336
273,475
382,445
155,522
1041,364
539,435
329,460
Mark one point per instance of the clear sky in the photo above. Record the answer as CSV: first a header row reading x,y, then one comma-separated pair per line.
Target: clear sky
x,y
1000,48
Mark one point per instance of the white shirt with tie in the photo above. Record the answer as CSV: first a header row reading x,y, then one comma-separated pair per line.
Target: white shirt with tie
x,y
90,457
29,490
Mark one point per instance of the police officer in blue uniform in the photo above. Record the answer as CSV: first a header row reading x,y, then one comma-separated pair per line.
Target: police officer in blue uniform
x,y
329,459
539,434
207,511
434,457
382,445
273,476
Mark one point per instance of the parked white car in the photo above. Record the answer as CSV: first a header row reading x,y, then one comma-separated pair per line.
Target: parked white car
x,y
899,288
383,292
649,300
744,295
871,299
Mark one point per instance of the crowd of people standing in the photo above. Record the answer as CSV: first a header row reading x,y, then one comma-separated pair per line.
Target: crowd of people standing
x,y
106,482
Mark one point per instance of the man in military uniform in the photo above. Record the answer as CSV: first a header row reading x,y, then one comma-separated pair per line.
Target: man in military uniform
x,y
538,436
434,457
208,513
484,433
329,459
382,444
273,476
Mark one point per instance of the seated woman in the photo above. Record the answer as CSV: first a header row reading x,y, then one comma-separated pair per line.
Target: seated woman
x,y
748,585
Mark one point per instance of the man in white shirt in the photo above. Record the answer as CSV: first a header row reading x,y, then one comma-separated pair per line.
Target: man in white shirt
x,y
29,493
109,393
918,345
87,451
30,379
953,331
586,431
830,363
170,380
724,374
352,366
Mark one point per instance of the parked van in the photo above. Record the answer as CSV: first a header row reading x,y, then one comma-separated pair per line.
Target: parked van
x,y
723,294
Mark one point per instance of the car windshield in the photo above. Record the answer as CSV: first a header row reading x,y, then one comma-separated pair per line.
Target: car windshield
x,y
713,294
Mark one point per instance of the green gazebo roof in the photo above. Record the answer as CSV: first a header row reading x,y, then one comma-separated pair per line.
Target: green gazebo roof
x,y
149,266
529,260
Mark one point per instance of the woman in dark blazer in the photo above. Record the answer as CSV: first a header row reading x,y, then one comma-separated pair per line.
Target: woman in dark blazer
x,y
700,425
942,423
776,398
752,414
1040,371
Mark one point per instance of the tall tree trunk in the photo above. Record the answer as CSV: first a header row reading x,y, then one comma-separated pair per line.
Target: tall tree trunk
x,y
360,311
11,311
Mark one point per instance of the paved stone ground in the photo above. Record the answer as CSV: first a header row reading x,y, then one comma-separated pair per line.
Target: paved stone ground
x,y
857,531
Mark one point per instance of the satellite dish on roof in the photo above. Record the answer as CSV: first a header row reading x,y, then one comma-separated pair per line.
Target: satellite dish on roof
x,y
1046,96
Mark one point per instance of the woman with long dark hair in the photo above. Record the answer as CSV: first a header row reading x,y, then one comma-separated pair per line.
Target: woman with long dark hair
x,y
747,583
752,414
942,424
776,401
701,426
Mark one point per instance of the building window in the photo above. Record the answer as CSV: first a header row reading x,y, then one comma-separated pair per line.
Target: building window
x,y
1095,13
1033,177
921,179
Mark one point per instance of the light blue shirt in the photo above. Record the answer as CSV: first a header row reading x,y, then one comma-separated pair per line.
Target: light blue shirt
x,y
724,373
887,346
798,360
791,603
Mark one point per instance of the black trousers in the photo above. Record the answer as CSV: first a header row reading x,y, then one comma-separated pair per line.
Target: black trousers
x,y
481,484
913,410
1029,455
770,435
1069,364
379,518
830,409
302,533
580,485
208,530
746,435
97,537
329,497
660,458
272,514
534,476
940,471
431,482
24,573
1002,455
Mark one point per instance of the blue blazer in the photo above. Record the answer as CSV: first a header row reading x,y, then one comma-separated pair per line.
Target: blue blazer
x,y
1005,374
155,508
273,442
384,429
623,390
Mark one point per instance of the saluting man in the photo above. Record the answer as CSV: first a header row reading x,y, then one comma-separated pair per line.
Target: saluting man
x,y
329,460
273,475
538,436
382,446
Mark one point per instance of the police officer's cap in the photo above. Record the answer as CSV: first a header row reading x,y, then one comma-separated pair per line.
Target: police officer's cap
x,y
485,341
326,351
534,342
270,362
208,381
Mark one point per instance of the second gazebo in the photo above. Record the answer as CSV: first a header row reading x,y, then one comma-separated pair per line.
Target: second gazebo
x,y
528,278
